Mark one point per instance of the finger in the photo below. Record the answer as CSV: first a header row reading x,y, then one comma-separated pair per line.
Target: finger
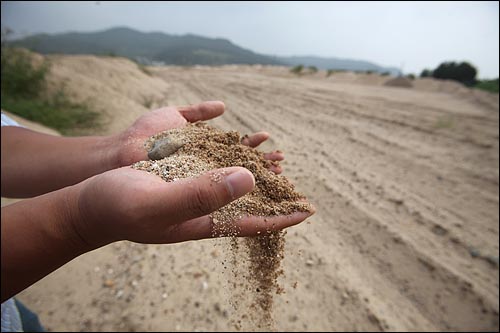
x,y
277,169
194,197
274,156
204,227
202,111
256,225
255,139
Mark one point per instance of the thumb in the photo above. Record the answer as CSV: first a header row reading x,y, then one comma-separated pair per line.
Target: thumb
x,y
191,198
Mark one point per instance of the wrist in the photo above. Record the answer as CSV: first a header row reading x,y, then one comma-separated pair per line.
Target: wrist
x,y
111,148
128,148
75,225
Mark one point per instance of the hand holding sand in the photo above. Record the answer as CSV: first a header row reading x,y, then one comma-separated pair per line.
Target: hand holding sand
x,y
196,170
130,143
141,207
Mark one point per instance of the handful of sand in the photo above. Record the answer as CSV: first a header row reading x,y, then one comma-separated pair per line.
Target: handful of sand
x,y
197,148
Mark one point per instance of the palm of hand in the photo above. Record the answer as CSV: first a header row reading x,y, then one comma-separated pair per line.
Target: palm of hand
x,y
132,140
128,204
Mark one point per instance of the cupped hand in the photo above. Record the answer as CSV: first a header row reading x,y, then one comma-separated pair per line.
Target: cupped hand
x,y
131,141
129,204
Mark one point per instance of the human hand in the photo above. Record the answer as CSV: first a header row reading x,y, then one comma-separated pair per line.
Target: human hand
x,y
129,204
131,141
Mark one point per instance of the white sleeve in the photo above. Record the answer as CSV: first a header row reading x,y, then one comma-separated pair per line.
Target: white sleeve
x,y
7,121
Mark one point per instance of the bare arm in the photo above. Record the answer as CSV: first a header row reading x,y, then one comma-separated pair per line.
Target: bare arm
x,y
36,240
34,163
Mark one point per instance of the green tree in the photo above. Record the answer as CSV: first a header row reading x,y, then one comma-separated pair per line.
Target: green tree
x,y
462,72
426,73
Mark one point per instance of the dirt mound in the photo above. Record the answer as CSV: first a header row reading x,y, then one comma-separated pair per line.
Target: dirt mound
x,y
115,87
399,81
373,79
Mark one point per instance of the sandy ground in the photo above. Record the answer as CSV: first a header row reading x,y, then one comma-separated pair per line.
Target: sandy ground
x,y
405,182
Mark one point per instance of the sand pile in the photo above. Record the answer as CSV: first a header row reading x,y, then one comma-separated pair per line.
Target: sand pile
x,y
400,81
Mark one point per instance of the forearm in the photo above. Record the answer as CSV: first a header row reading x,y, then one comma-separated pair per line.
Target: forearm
x,y
38,236
34,163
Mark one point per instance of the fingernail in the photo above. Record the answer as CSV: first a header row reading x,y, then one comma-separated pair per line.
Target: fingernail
x,y
217,102
240,182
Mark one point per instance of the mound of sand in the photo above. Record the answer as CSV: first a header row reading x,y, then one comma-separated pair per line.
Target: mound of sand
x,y
399,81
115,87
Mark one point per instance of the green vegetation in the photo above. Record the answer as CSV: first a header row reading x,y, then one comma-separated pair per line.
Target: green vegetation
x,y
24,93
488,85
300,70
333,71
20,77
385,74
410,76
312,69
462,72
297,69
426,73
144,69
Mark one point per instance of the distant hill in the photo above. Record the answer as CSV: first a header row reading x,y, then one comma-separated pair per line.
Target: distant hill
x,y
153,46
161,48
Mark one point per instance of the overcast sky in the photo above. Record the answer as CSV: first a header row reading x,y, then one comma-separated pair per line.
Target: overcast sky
x,y
411,35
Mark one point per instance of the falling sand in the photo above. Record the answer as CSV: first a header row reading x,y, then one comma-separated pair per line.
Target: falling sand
x,y
196,149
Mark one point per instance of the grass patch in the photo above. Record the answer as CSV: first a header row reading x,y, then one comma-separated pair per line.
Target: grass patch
x,y
144,69
297,69
59,113
488,85
24,93
312,69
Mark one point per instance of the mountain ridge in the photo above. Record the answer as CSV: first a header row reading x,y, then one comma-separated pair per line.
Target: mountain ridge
x,y
159,48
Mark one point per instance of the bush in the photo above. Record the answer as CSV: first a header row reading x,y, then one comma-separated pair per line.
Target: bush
x,y
385,74
23,93
462,72
333,71
488,85
411,76
312,69
297,69
20,76
426,73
